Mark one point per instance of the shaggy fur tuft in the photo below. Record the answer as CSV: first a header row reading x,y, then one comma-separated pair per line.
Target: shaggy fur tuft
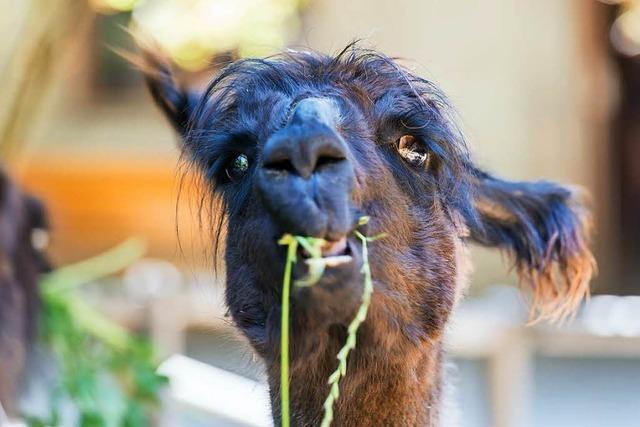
x,y
544,228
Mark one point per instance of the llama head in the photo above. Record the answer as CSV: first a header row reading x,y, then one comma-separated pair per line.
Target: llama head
x,y
305,143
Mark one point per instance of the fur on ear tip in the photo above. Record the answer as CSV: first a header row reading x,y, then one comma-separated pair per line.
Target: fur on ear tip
x,y
173,98
153,63
559,288
150,57
562,281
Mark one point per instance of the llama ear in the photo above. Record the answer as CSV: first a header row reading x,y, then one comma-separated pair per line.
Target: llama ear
x,y
175,101
545,228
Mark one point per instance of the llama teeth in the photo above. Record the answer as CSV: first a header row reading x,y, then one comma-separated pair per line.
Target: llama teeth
x,y
334,261
330,261
336,248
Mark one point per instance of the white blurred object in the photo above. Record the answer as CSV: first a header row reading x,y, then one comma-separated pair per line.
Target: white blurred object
x,y
6,422
152,278
609,315
230,398
479,325
625,31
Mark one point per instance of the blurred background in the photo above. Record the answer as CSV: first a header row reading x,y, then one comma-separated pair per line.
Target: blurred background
x,y
545,90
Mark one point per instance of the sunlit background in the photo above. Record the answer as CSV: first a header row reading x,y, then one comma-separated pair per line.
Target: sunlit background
x,y
545,89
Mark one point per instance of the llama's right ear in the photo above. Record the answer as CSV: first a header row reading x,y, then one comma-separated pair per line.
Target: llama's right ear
x,y
175,101
545,228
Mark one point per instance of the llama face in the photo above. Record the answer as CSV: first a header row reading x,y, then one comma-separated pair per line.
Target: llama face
x,y
305,143
292,148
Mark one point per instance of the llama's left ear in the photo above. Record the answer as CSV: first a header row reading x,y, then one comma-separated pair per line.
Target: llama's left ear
x,y
175,101
545,228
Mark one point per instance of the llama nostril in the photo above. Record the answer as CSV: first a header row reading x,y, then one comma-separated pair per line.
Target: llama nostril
x,y
302,156
280,165
326,161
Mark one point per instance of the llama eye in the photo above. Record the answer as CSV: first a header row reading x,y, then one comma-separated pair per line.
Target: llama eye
x,y
412,151
237,167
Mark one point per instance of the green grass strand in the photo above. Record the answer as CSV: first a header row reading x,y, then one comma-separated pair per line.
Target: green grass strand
x,y
312,246
284,328
352,330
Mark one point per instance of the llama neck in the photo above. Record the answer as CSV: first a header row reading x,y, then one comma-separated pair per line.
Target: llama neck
x,y
399,388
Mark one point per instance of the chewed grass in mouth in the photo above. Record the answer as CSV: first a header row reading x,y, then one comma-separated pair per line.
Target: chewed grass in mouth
x,y
320,254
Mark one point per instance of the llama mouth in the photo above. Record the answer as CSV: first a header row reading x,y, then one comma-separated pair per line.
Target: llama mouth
x,y
334,252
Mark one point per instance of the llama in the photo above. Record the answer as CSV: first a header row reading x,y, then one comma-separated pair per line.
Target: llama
x,y
306,143
22,225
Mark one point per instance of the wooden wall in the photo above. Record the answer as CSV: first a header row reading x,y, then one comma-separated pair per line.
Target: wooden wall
x,y
97,202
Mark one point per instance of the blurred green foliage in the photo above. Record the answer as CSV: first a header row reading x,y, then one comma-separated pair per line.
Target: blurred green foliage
x,y
108,374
